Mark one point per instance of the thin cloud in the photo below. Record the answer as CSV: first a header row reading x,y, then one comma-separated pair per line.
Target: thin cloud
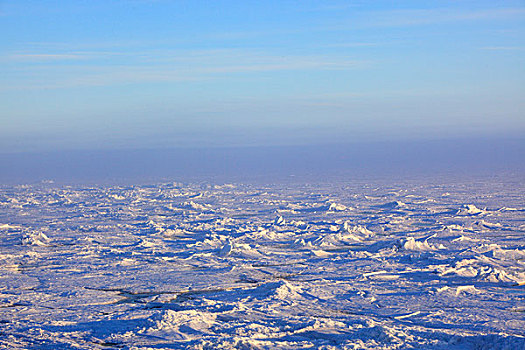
x,y
326,65
435,16
124,75
38,57
43,57
164,66
417,17
329,7
503,48
352,45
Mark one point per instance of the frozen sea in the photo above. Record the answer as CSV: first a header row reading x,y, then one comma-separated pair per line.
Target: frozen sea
x,y
346,264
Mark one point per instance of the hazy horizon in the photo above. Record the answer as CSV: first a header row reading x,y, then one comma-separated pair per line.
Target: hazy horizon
x,y
453,158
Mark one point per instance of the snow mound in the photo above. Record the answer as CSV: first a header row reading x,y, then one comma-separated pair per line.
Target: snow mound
x,y
357,229
279,221
9,227
195,206
488,225
470,209
411,244
337,207
462,238
485,269
467,290
38,239
280,290
348,234
226,249
183,325
391,205
508,254
337,239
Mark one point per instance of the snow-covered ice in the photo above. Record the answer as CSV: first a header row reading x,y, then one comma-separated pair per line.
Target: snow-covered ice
x,y
346,265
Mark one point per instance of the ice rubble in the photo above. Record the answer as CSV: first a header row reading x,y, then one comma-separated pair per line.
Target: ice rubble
x,y
240,266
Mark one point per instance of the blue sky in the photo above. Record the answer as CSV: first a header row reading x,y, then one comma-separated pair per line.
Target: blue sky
x,y
147,74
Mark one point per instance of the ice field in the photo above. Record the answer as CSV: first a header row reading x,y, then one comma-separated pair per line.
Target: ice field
x,y
345,265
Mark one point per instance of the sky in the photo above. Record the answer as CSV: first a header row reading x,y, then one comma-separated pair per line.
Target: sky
x,y
146,74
